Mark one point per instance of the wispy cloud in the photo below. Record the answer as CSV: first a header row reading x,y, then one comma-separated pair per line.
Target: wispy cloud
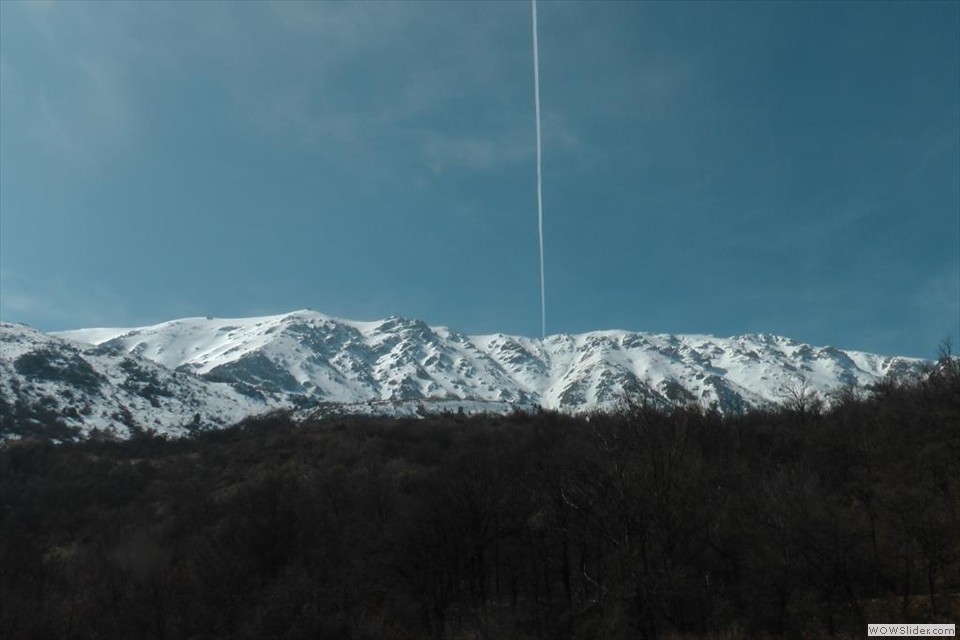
x,y
349,79
474,151
69,83
366,76
57,302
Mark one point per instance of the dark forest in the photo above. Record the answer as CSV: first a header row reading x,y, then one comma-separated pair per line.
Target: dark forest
x,y
655,522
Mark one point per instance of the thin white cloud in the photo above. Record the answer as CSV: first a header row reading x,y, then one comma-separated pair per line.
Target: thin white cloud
x,y
474,151
366,76
58,303
69,83
346,78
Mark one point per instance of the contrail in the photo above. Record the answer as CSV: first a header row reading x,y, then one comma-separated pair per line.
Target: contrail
x,y
536,99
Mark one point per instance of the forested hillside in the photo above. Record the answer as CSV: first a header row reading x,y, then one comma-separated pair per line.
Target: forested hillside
x,y
653,522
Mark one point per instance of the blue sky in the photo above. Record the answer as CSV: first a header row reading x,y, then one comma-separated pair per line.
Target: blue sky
x,y
724,168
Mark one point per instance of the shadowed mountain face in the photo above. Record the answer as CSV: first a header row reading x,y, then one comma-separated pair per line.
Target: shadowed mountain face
x,y
54,388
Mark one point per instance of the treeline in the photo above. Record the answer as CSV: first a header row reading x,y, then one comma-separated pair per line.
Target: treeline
x,y
674,523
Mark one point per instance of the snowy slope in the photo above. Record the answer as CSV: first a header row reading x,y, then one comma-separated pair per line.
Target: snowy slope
x,y
56,388
306,356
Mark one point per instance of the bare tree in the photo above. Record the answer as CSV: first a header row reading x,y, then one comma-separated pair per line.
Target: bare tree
x,y
800,396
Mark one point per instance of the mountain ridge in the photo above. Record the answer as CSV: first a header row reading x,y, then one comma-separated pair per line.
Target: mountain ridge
x,y
203,372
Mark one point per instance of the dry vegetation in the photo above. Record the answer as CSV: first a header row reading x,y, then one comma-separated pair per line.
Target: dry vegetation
x,y
675,523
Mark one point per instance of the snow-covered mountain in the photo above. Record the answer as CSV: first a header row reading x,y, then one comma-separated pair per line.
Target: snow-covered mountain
x,y
303,358
58,389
